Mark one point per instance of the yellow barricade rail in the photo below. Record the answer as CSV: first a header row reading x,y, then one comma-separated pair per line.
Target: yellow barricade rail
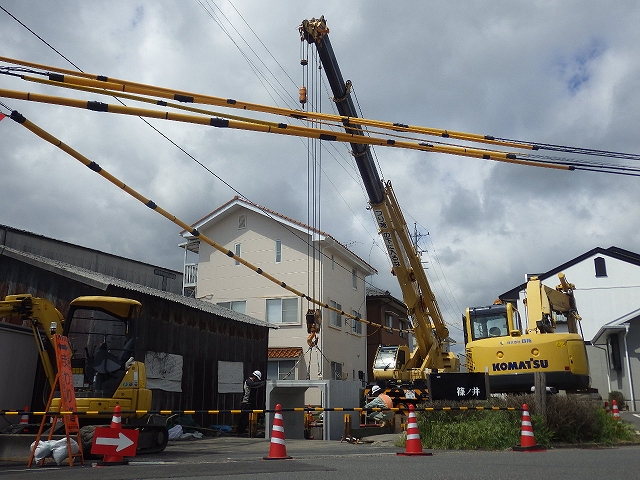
x,y
237,411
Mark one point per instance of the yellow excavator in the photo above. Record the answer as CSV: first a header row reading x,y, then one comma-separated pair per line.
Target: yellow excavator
x,y
551,342
102,334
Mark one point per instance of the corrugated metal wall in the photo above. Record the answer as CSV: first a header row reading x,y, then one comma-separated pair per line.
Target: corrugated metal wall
x,y
202,338
94,260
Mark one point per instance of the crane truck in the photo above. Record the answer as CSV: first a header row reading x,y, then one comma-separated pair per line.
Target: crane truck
x,y
101,332
396,368
498,343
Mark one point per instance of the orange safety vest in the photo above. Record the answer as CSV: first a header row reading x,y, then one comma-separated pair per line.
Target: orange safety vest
x,y
387,399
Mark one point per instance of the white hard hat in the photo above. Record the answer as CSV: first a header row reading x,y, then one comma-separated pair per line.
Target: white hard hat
x,y
257,374
375,389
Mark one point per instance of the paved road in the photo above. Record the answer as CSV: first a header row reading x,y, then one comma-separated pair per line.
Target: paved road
x,y
314,459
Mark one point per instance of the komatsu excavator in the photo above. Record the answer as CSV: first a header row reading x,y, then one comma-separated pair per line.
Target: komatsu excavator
x,y
102,333
497,342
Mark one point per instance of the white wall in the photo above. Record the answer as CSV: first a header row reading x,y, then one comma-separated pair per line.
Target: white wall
x,y
601,300
18,349
220,280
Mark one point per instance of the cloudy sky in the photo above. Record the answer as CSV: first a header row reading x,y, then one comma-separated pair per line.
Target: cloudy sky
x,y
558,72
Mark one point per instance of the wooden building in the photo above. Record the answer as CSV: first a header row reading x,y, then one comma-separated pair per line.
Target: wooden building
x,y
196,340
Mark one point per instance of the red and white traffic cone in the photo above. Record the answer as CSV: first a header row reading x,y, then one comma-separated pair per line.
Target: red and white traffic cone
x,y
527,439
277,447
414,444
24,420
607,410
616,412
116,423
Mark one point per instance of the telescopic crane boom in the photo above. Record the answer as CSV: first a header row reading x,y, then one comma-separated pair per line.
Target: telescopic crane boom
x,y
393,363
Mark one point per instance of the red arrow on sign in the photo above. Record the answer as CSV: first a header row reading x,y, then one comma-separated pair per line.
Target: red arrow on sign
x,y
112,441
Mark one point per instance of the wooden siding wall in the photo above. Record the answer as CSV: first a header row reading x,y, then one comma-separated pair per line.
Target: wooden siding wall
x,y
201,338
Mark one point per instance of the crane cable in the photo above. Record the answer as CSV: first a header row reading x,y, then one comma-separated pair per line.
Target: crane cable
x,y
93,166
585,165
135,87
281,128
103,84
122,85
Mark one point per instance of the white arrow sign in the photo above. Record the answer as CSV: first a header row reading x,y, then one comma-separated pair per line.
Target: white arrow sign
x,y
120,443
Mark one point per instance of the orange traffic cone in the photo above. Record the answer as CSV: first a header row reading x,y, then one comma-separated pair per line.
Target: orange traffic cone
x,y
527,439
616,412
116,423
24,420
414,445
277,448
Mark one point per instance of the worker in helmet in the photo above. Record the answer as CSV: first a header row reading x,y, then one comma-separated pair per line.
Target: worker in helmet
x,y
249,398
381,400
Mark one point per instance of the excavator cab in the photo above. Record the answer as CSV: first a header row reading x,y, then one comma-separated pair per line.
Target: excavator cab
x,y
389,361
493,321
101,332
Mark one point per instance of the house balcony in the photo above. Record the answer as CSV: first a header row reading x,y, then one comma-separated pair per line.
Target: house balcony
x,y
190,279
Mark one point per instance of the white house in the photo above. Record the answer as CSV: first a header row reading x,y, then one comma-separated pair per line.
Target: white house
x,y
607,293
306,259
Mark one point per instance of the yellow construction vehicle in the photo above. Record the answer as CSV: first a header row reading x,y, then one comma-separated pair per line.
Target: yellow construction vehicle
x,y
101,332
497,342
395,367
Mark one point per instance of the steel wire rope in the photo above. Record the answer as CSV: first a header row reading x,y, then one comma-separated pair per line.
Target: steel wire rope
x,y
576,164
193,109
149,124
581,150
594,169
294,114
265,47
20,119
317,100
206,99
261,78
374,153
365,131
258,72
358,180
448,292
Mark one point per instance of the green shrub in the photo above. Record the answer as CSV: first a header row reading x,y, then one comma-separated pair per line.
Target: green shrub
x,y
475,429
619,398
570,419
470,430
614,431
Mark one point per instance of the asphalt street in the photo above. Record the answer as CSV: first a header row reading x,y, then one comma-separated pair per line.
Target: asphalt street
x,y
230,457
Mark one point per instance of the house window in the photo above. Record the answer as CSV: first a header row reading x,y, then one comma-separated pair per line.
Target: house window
x,y
279,369
282,310
335,318
389,321
402,326
601,267
278,251
238,250
239,306
357,326
333,263
354,279
336,371
242,221
614,352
